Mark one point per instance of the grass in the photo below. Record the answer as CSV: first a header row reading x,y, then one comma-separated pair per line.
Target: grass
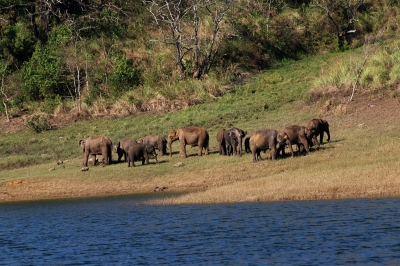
x,y
360,161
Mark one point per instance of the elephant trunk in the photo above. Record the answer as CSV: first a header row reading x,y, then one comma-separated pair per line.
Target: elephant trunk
x,y
329,135
240,146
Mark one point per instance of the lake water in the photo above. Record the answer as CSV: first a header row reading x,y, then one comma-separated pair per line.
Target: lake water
x,y
121,231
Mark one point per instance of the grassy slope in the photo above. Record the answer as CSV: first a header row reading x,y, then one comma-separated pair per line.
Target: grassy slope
x,y
350,166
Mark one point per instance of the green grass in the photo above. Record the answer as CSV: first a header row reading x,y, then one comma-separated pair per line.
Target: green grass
x,y
267,100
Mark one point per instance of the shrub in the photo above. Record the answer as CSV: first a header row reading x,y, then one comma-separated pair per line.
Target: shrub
x,y
38,124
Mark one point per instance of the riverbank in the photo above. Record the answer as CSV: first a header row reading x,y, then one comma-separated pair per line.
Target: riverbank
x,y
361,160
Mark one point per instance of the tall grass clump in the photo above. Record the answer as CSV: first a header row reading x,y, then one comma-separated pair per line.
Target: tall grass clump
x,y
338,73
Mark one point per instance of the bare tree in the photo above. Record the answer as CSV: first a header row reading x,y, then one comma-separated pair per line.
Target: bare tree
x,y
76,62
5,99
369,48
180,24
342,14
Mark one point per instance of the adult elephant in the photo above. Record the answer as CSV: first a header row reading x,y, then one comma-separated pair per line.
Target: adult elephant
x,y
141,152
233,139
193,136
221,142
297,136
96,145
317,127
121,147
159,143
265,139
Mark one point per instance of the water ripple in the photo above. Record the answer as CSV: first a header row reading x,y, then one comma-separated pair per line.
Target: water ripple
x,y
119,231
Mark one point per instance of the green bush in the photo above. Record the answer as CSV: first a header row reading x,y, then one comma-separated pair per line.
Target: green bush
x,y
126,76
38,124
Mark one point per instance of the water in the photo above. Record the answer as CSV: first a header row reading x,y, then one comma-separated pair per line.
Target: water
x,y
120,231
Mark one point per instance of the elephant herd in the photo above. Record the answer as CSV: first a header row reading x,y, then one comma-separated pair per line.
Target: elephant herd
x,y
229,142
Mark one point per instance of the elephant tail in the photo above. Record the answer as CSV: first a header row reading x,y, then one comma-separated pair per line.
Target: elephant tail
x,y
110,155
206,141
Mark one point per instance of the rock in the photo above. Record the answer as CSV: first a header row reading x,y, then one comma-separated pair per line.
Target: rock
x,y
180,164
59,162
85,169
156,189
52,169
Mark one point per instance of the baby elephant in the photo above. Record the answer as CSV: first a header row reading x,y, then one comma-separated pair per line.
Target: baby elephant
x,y
142,152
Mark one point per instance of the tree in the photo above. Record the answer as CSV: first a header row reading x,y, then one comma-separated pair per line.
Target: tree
x,y
3,90
182,24
342,14
371,45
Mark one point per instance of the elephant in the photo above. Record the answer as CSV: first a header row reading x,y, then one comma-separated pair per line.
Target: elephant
x,y
96,145
221,142
141,152
191,135
317,127
159,143
233,139
122,147
265,139
297,136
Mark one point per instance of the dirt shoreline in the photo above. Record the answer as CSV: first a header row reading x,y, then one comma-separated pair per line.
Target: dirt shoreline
x,y
33,190
45,189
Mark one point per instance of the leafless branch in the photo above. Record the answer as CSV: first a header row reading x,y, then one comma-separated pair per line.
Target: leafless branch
x,y
369,48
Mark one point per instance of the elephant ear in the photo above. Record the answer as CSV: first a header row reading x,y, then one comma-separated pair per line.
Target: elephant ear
x,y
284,136
82,144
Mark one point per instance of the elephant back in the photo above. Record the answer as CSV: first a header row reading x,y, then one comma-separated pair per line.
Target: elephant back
x,y
97,141
124,144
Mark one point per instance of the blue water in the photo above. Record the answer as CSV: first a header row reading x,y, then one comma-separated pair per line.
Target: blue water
x,y
121,231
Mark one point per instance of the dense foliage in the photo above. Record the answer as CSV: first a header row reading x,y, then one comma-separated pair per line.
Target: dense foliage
x,y
75,54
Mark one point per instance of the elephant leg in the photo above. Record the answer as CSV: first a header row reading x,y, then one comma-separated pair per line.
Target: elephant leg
x,y
272,153
305,144
255,156
290,148
281,149
206,150
315,142
240,148
85,158
200,151
321,137
94,159
144,160
259,155
234,148
183,150
105,157
227,149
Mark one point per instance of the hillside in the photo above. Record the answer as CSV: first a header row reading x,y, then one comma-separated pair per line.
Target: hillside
x,y
358,122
